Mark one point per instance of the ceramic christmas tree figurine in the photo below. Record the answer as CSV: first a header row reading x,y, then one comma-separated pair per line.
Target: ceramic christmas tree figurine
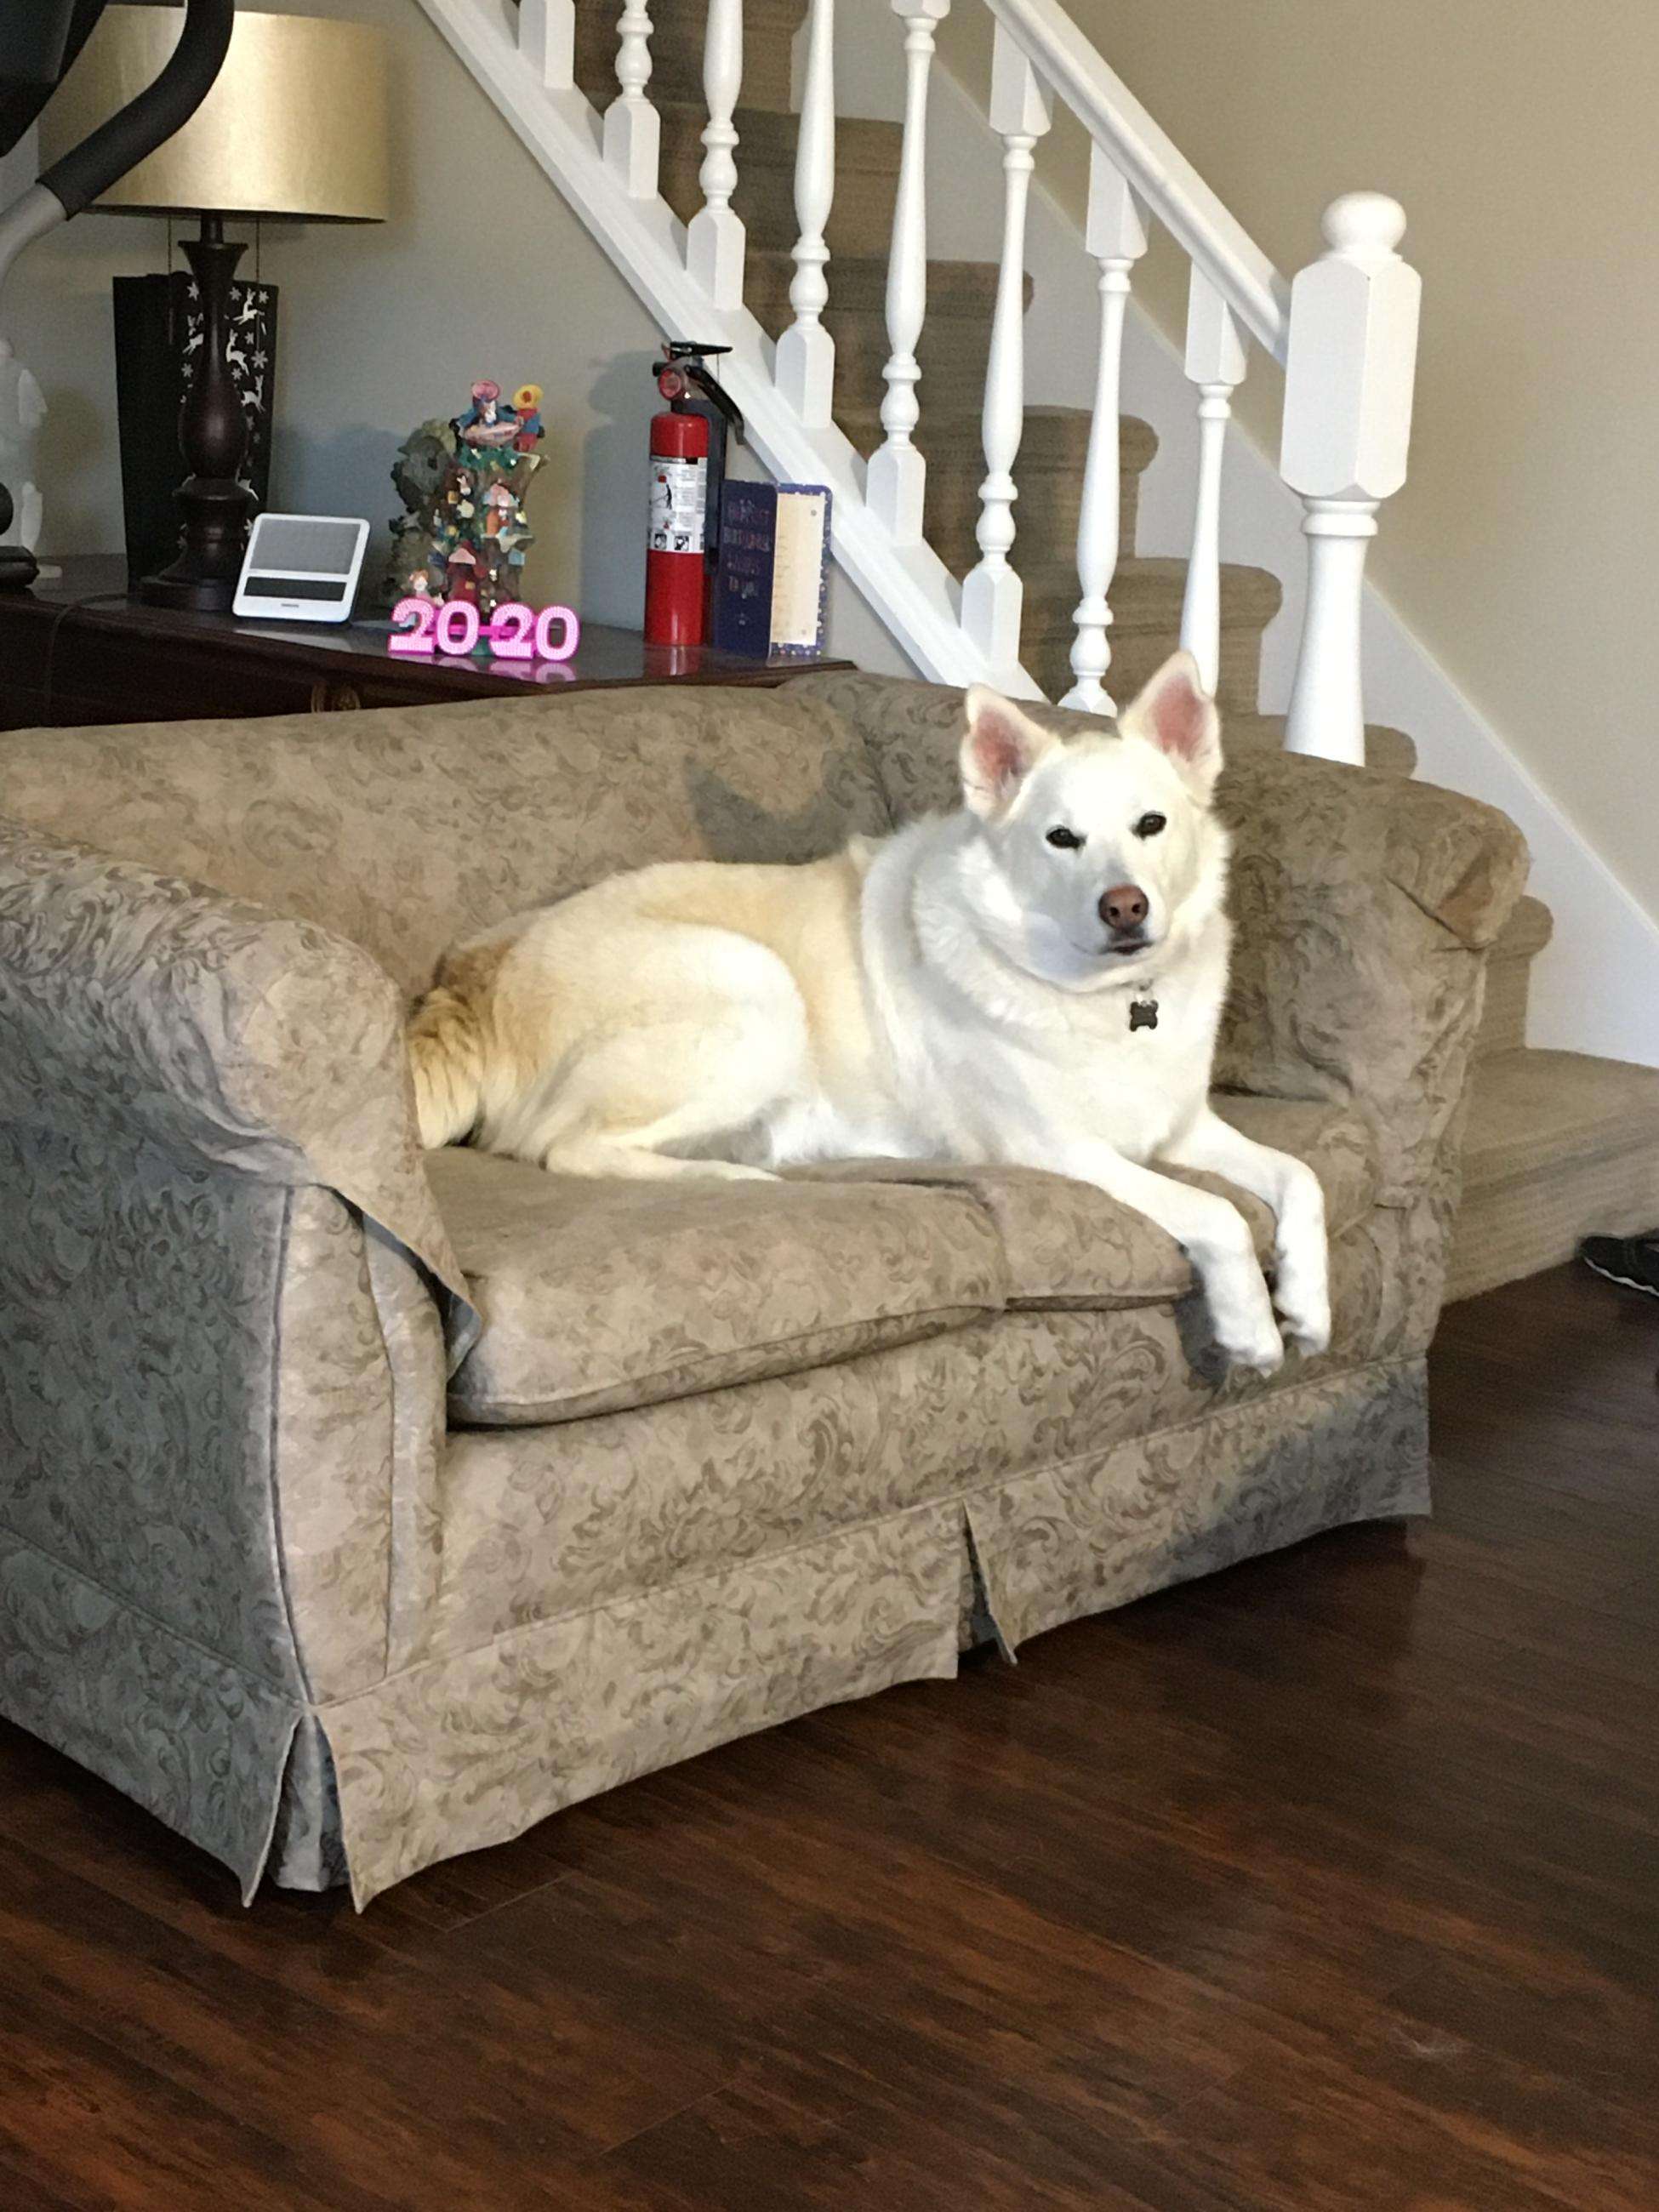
x,y
464,481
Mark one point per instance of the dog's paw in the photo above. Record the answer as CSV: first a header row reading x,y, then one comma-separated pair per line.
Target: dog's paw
x,y
1304,1310
1309,1333
1251,1340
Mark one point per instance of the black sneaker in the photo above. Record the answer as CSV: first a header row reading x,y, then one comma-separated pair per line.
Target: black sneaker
x,y
1630,1261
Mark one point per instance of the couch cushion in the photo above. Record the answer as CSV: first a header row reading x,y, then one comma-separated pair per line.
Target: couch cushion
x,y
1068,1244
600,1295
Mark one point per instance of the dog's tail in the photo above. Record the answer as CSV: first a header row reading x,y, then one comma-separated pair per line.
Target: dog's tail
x,y
446,1053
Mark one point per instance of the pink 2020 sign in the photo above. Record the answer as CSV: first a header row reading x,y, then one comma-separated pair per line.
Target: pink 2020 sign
x,y
513,633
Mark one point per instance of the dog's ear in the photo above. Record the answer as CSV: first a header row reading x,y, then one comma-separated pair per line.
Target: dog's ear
x,y
1175,713
1001,748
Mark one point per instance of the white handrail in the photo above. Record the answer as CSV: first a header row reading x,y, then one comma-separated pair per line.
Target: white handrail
x,y
1160,173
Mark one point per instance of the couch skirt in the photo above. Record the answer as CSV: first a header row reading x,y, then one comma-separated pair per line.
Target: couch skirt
x,y
474,1743
472,1749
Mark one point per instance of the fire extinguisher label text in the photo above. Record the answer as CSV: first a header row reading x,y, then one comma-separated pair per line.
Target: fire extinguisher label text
x,y
679,491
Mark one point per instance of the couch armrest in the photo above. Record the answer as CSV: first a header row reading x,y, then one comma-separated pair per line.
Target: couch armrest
x,y
223,1285
1364,904
222,1032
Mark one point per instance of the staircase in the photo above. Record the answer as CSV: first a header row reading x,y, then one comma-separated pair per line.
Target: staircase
x,y
1558,1143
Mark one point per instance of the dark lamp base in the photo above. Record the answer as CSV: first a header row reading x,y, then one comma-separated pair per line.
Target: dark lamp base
x,y
213,504
202,595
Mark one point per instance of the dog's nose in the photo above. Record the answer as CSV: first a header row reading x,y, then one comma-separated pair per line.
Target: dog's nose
x,y
1123,907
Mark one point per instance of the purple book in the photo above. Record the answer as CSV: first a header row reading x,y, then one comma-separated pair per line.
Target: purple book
x,y
774,577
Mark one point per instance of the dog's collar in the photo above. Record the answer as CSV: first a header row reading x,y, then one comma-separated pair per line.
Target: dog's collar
x,y
1143,1008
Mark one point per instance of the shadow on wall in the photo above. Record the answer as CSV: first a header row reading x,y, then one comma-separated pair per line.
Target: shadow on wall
x,y
349,471
623,396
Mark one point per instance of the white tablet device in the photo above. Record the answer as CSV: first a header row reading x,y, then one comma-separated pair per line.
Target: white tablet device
x,y
302,565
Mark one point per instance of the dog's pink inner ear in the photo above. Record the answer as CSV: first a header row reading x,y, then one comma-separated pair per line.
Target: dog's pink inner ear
x,y
1000,751
1181,714
1175,713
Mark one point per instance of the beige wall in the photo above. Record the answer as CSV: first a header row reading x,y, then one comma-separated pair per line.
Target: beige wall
x,y
1520,136
481,271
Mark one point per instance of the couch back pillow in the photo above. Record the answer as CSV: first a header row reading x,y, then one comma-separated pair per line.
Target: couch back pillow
x,y
408,828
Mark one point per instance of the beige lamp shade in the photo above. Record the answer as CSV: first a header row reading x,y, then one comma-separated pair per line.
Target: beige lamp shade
x,y
294,125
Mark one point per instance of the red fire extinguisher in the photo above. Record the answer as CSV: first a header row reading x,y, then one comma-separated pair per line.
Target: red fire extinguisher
x,y
688,470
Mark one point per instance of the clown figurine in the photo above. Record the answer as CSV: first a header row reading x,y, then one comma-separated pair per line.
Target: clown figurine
x,y
527,406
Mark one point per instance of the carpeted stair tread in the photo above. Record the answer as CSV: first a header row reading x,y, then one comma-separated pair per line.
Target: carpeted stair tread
x,y
954,348
1146,596
866,175
676,48
1533,1112
1051,438
1559,1146
1147,590
1053,448
858,287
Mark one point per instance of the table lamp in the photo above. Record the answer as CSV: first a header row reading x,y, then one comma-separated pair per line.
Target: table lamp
x,y
295,129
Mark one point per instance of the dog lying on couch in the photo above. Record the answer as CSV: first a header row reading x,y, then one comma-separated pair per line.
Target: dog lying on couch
x,y
1035,980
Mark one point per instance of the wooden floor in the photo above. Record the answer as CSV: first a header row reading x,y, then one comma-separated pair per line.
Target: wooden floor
x,y
1333,1881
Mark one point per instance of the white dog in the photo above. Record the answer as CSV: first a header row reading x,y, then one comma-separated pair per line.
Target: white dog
x,y
1037,979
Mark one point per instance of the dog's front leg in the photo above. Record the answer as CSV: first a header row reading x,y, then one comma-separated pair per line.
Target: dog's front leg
x,y
1302,1289
1214,1234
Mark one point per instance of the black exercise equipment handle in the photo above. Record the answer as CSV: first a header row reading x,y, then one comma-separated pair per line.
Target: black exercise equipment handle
x,y
158,112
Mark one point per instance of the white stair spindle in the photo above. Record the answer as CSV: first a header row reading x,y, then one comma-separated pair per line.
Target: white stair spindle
x,y
1116,236
1216,364
1348,382
547,39
896,483
633,129
992,595
714,241
805,366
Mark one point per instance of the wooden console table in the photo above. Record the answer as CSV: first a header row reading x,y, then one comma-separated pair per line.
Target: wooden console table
x,y
115,661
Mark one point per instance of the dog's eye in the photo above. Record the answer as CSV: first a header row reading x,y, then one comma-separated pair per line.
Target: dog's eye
x,y
1066,839
1149,825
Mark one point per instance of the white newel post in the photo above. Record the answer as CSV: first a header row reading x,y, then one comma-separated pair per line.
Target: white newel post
x,y
1216,364
1348,379
806,368
547,40
715,240
633,129
1116,237
897,480
992,595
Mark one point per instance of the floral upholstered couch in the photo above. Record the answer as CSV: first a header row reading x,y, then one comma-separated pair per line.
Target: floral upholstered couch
x,y
358,1507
